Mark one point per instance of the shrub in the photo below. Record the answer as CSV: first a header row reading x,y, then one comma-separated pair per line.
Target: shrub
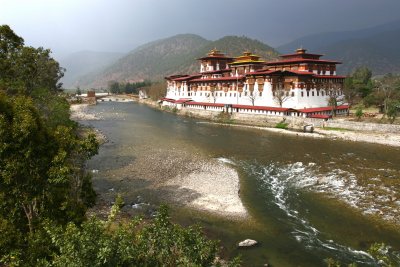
x,y
282,125
224,117
359,112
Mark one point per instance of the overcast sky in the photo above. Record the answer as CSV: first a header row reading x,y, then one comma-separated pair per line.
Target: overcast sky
x,y
67,26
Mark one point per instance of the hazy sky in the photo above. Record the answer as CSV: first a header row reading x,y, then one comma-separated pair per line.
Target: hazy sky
x,y
67,26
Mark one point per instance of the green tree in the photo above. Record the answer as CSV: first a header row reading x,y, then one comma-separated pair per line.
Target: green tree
x,y
10,45
358,85
158,242
359,112
41,174
114,87
22,68
388,91
78,91
350,91
333,101
392,109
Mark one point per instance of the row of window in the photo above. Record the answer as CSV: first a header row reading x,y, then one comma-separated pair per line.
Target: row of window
x,y
220,94
286,93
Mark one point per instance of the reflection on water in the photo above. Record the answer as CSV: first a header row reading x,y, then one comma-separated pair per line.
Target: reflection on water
x,y
294,187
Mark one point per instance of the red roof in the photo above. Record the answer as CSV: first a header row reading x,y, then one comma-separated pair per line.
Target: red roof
x,y
183,100
175,76
187,77
310,110
168,100
216,71
299,72
232,78
206,104
261,108
301,60
215,57
262,72
301,54
268,72
329,76
320,116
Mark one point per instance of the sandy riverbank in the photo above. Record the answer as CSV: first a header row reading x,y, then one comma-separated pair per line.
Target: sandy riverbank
x,y
177,176
217,188
79,112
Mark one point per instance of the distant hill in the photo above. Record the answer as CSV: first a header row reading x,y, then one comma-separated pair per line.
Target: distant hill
x,y
172,55
379,52
375,47
315,41
84,62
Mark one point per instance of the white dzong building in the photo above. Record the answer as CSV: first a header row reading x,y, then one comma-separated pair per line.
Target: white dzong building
x,y
298,84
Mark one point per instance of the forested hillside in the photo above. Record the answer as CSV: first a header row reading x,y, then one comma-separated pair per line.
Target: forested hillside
x,y
173,55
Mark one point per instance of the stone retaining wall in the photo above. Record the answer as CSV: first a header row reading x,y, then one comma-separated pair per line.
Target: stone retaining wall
x,y
293,122
364,126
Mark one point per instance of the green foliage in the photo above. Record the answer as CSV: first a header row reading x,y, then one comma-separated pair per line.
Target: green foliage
x,y
359,112
332,263
78,91
336,129
349,90
45,192
138,243
380,252
53,108
371,100
127,88
23,68
392,109
41,153
282,125
169,109
40,167
358,86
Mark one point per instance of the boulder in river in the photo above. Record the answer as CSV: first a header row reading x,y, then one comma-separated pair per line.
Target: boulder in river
x,y
247,243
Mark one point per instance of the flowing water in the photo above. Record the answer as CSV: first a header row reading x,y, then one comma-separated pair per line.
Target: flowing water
x,y
309,199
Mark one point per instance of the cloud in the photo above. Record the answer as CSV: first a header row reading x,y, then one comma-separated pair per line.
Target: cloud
x,y
72,25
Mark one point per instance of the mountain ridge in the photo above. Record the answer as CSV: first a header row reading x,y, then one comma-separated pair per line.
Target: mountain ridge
x,y
172,55
315,41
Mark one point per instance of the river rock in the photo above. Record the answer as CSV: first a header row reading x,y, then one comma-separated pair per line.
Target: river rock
x,y
247,243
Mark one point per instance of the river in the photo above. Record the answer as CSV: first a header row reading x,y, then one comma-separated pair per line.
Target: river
x,y
308,199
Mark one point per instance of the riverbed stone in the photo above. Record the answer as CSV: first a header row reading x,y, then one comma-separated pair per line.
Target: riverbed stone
x,y
247,243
